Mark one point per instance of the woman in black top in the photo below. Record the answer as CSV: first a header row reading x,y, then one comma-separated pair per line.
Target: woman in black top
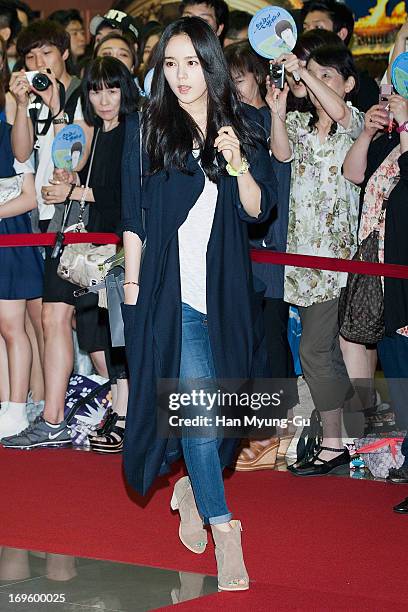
x,y
109,95
194,321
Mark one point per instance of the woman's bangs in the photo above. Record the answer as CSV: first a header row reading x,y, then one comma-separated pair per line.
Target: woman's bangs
x,y
103,78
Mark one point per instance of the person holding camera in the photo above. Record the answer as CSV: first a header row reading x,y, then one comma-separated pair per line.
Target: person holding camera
x,y
44,106
109,96
47,98
323,217
249,72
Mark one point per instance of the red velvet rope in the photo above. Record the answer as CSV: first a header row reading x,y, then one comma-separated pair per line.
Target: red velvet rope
x,y
18,240
257,255
329,263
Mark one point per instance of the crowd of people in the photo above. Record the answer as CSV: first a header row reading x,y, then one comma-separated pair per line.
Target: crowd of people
x,y
192,155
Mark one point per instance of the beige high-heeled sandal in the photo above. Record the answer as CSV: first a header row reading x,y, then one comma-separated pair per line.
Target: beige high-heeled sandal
x,y
264,456
191,530
284,443
232,574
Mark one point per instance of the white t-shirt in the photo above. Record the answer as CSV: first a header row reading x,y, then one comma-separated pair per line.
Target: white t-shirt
x,y
45,167
193,238
23,167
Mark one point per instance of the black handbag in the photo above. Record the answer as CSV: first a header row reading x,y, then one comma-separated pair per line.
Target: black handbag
x,y
361,303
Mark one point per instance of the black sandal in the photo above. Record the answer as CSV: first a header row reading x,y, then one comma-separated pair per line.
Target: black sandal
x,y
111,441
107,423
338,464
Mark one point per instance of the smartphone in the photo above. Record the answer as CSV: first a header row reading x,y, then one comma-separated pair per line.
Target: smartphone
x,y
277,75
385,93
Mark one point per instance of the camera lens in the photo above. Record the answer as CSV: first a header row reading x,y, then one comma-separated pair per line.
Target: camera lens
x,y
41,82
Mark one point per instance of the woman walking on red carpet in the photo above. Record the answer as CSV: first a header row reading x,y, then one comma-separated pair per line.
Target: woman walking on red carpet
x,y
206,174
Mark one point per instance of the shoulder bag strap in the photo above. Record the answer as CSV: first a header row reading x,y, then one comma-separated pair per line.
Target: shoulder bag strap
x,y
82,203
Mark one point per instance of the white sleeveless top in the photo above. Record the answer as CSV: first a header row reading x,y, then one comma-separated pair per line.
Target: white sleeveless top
x,y
193,238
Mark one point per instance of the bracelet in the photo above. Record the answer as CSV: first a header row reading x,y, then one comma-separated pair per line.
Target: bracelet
x,y
131,283
84,194
243,169
403,127
70,192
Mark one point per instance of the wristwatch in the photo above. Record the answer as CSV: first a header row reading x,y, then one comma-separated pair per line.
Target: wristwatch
x,y
403,127
63,120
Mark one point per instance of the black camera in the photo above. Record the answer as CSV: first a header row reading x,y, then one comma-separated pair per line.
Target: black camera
x,y
277,75
41,82
38,80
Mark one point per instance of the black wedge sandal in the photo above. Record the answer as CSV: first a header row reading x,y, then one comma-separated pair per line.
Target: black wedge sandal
x,y
107,423
110,441
321,467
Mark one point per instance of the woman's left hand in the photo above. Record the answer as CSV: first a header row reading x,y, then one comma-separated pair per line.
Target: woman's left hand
x,y
55,192
227,143
399,108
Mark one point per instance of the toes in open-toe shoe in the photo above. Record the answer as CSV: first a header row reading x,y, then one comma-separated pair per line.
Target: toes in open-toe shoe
x,y
112,440
191,531
232,573
264,456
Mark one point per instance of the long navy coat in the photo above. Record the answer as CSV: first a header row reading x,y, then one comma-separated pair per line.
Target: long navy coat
x,y
153,325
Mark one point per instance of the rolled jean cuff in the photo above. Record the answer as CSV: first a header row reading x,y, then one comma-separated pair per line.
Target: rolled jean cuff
x,y
218,520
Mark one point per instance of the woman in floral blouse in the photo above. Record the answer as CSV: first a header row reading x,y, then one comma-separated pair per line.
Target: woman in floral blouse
x,y
323,218
380,164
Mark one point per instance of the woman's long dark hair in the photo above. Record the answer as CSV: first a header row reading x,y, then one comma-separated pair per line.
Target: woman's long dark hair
x,y
169,130
339,58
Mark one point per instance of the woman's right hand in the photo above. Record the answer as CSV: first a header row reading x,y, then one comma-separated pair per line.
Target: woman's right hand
x,y
131,294
276,99
65,176
20,88
376,118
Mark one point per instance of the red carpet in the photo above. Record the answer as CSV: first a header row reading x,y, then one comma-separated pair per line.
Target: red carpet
x,y
312,544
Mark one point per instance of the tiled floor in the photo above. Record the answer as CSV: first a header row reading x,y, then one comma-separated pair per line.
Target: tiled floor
x,y
31,582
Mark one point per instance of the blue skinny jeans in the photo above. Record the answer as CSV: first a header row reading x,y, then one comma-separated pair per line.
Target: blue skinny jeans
x,y
201,453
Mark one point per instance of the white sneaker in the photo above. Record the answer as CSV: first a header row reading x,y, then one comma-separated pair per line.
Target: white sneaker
x,y
13,420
